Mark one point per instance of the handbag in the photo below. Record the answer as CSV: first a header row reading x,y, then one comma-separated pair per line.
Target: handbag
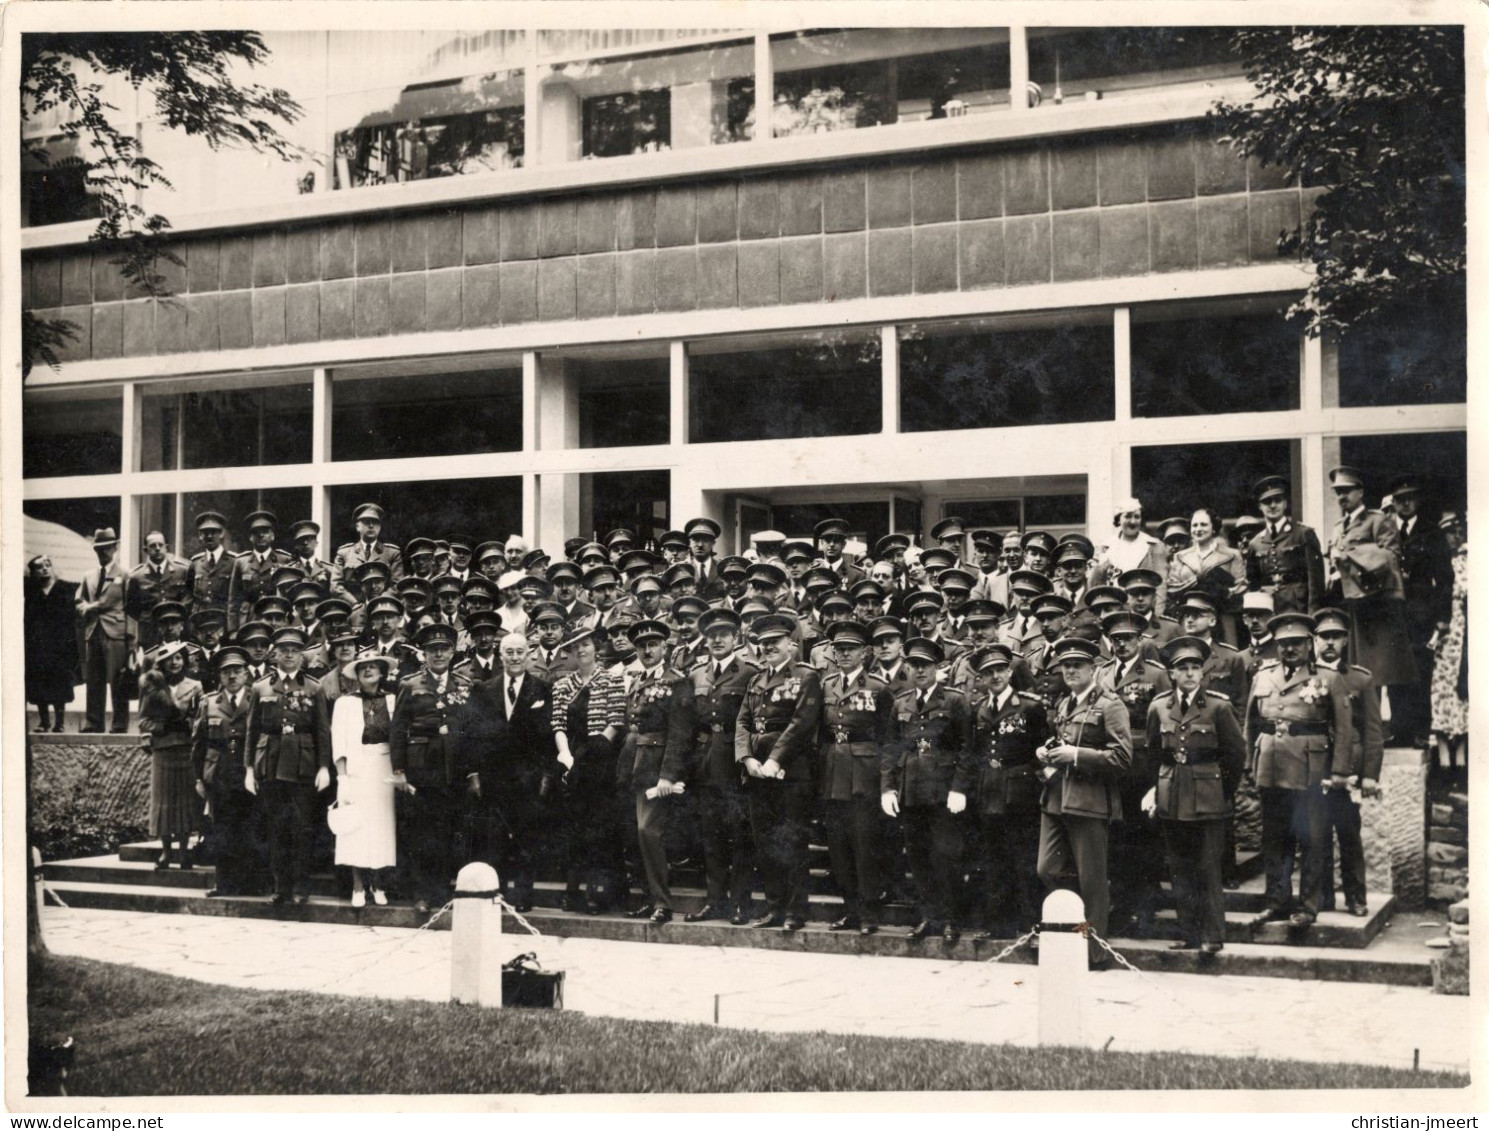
x,y
527,985
343,819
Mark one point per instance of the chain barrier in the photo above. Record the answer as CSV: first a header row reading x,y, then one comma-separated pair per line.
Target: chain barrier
x,y
515,914
48,890
1031,933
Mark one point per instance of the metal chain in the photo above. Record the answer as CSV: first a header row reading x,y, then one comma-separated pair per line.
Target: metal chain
x,y
1090,933
512,911
1032,932
48,890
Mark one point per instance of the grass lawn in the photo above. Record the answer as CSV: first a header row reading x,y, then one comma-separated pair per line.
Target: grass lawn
x,y
141,1033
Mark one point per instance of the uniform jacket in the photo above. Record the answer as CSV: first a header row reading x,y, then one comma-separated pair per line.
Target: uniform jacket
x,y
857,719
685,657
851,575
661,727
550,668
1099,728
352,555
925,744
207,583
710,585
424,739
779,719
283,742
322,573
1200,754
998,771
1369,528
108,621
406,659
1225,672
1255,656
1140,684
616,648
1291,567
1427,574
218,739
1018,635
1367,747
1160,630
821,657
1048,680
716,703
1313,700
477,670
511,755
992,587
145,589
250,579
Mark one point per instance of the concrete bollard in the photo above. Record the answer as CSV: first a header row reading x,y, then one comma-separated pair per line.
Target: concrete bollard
x,y
476,935
1063,969
41,895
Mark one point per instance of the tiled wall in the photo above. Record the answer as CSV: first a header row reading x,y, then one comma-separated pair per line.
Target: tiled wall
x,y
1093,208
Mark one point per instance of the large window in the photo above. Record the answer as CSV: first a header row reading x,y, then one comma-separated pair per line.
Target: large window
x,y
635,500
1411,356
226,427
1439,459
482,509
999,374
1117,62
827,384
622,402
425,414
1200,363
1175,479
79,433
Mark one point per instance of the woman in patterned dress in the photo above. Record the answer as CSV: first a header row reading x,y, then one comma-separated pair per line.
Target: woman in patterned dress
x,y
1450,672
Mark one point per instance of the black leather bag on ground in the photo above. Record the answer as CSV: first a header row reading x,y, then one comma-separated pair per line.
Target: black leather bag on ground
x,y
526,985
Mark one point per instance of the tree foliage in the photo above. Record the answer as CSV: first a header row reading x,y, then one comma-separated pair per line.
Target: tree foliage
x,y
1376,114
190,75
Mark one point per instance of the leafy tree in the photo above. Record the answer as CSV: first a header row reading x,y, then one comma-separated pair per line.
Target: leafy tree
x,y
189,74
1376,114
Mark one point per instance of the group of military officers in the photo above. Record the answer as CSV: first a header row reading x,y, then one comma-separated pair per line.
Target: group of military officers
x,y
996,717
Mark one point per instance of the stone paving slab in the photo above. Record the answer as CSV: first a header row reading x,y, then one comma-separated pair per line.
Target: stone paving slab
x,y
785,991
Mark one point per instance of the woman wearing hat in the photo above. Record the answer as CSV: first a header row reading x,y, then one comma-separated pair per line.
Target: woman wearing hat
x,y
1132,548
169,700
51,641
363,818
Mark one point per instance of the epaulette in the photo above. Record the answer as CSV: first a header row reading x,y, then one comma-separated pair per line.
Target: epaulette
x,y
1029,697
387,545
1268,666
873,677
1155,664
248,554
199,554
1358,668
1222,696
803,665
345,546
1219,644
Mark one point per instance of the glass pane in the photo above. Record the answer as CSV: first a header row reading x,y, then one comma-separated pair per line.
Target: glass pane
x,y
1002,515
230,428
624,402
840,79
63,529
867,522
1102,63
1173,480
635,500
482,509
288,504
829,385
1439,458
429,414
1201,366
1416,356
1047,512
964,377
82,435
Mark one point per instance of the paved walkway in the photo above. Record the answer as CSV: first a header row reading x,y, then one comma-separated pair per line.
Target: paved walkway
x,y
787,992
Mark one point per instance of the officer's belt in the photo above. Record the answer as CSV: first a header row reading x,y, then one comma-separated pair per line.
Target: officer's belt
x,y
1287,728
851,739
1198,758
421,732
1008,763
1289,577
657,739
300,728
770,728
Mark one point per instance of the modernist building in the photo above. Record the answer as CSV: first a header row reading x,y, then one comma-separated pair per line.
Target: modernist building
x,y
558,282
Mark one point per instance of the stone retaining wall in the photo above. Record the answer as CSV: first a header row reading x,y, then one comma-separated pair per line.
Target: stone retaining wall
x,y
1447,849
111,772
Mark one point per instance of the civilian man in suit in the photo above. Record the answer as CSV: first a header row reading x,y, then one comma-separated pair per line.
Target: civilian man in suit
x,y
507,750
211,568
1427,574
106,637
160,577
253,570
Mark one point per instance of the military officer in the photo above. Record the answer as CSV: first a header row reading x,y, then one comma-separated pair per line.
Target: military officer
x,y
160,577
1200,751
924,612
890,549
1143,587
549,660
609,619
1427,577
253,569
211,567
535,562
832,539
207,627
1084,762
832,606
857,715
690,648
932,726
888,637
868,599
1299,741
733,571
798,557
491,560
254,638
956,588
305,536
1051,610
992,580
702,535
461,549
1225,668
385,615
775,739
951,535
447,592
1039,550
673,546
217,744
368,583
1022,629
480,661
567,579
1243,530
679,580
418,558
1256,610
368,547
996,777
1284,558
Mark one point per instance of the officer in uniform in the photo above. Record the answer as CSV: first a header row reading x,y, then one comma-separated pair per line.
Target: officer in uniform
x,y
1256,610
480,661
951,534
1284,558
385,615
609,620
891,550
549,660
1084,762
368,583
305,536
285,759
253,569
691,649
160,577
1225,668
1039,550
956,588
775,738
254,638
567,579
1051,610
1022,629
1243,530
673,546
833,606
996,777
1136,681
1299,741
832,539
207,627
1143,586
888,637
992,580
719,680
857,715
702,534
367,548
211,568
217,744
1200,751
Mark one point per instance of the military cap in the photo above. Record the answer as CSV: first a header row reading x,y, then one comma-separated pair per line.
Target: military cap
x,y
678,573
1051,603
414,586
1406,485
1290,626
773,625
572,547
304,528
991,656
891,543
848,632
718,618
647,630
271,603
478,586
1173,528
734,566
435,633
230,656
1104,595
165,651
535,585
764,573
955,579
1199,600
601,575
373,568
485,618
306,591
922,601
1330,621
209,519
419,546
1256,601
1247,522
545,611
1076,648
533,558
987,539
252,630
833,599
701,528
1124,621
1182,648
346,635
866,590
982,611
756,606
886,626
446,583
362,659
333,607
1269,485
673,539
685,606
1088,548
205,618
564,571
1450,520
290,635
511,579
820,577
1071,552
636,559
1346,478
1039,540
1141,579
919,648
166,610
830,528
285,575
1029,581
460,543
646,581
591,550
368,510
441,548
937,558
259,518
620,536
772,538
949,527
798,551
384,604
487,550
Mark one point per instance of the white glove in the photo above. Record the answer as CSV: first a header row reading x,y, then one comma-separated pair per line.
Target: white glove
x,y
956,802
566,760
890,803
771,769
250,783
322,779
1150,801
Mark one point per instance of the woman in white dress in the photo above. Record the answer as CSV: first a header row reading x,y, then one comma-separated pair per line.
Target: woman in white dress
x,y
366,841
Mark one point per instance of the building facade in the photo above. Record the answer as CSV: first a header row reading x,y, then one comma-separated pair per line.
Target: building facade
x,y
558,282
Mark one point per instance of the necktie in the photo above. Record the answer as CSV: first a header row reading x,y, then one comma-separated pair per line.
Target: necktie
x,y
1272,531
155,572
103,579
718,671
1183,705
924,697
1345,528
511,693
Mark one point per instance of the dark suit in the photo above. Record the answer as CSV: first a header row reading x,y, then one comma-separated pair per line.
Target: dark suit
x,y
1427,573
218,739
512,755
723,812
658,745
857,719
105,635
